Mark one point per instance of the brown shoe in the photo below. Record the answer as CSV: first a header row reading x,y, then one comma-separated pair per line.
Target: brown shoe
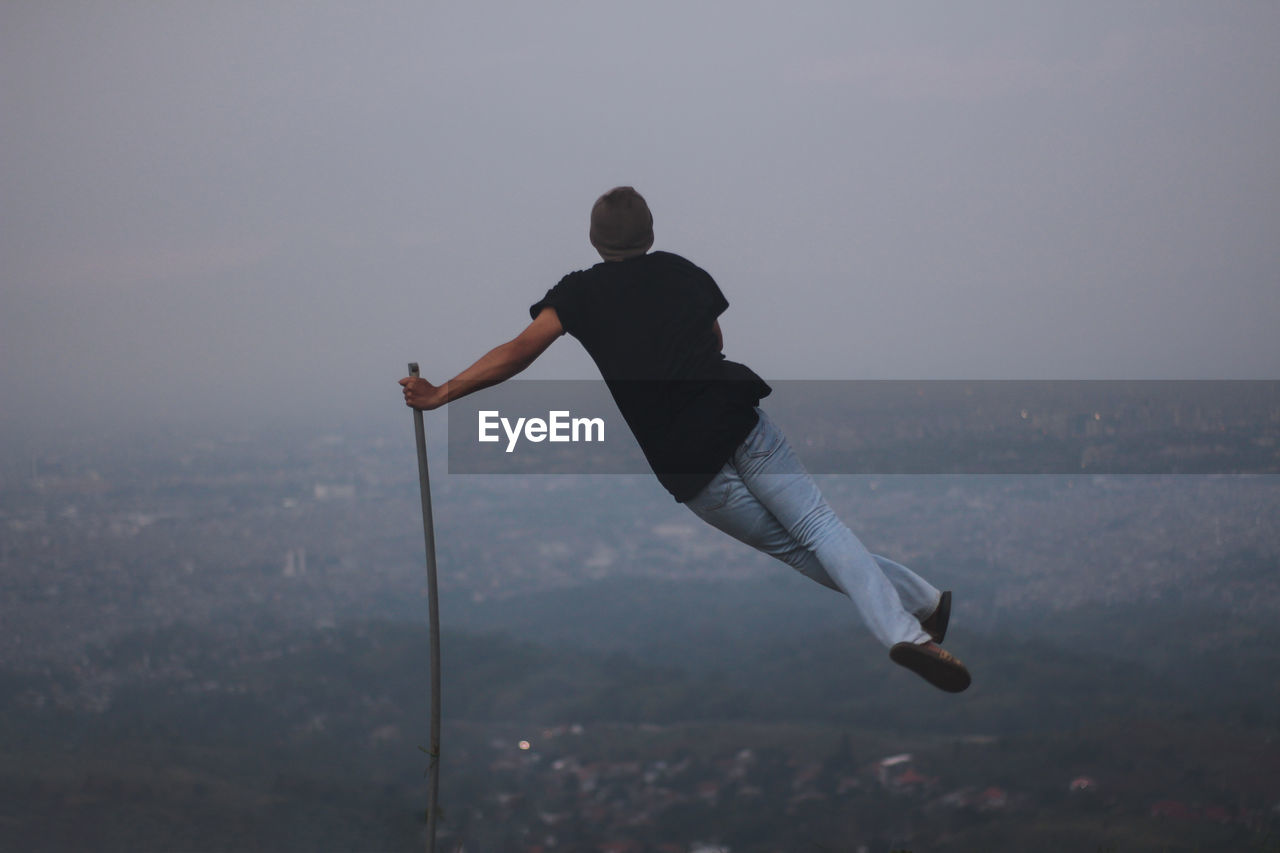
x,y
935,625
932,663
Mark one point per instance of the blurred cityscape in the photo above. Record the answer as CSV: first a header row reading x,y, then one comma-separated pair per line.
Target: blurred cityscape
x,y
159,585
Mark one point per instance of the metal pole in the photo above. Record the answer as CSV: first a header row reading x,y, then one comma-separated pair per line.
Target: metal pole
x,y
433,609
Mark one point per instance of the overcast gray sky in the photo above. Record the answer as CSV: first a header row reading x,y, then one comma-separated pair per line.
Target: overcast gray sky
x,y
264,209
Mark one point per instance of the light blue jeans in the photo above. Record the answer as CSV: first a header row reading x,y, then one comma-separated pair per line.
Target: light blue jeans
x,y
764,497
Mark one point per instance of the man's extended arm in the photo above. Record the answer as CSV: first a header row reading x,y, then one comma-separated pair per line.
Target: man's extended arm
x,y
497,365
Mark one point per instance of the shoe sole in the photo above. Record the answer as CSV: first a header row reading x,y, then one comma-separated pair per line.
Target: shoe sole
x,y
944,672
943,614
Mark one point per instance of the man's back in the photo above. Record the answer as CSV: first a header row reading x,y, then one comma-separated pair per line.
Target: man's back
x,y
648,322
649,317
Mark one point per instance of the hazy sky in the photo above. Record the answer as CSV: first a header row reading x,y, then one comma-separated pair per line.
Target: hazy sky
x,y
262,210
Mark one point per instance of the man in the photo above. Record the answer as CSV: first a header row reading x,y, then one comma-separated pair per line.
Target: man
x,y
650,322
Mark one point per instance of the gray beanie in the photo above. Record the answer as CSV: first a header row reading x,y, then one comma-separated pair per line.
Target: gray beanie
x,y
621,224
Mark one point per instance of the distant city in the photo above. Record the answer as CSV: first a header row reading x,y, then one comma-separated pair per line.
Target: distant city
x,y
98,537
228,607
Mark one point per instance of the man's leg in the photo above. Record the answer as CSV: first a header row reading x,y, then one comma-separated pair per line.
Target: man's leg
x,y
728,505
750,522
765,497
919,597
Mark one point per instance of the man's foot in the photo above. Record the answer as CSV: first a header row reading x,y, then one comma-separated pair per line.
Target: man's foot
x,y
935,625
935,665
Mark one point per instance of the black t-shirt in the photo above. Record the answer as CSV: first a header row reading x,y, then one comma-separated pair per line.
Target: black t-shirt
x,y
647,323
